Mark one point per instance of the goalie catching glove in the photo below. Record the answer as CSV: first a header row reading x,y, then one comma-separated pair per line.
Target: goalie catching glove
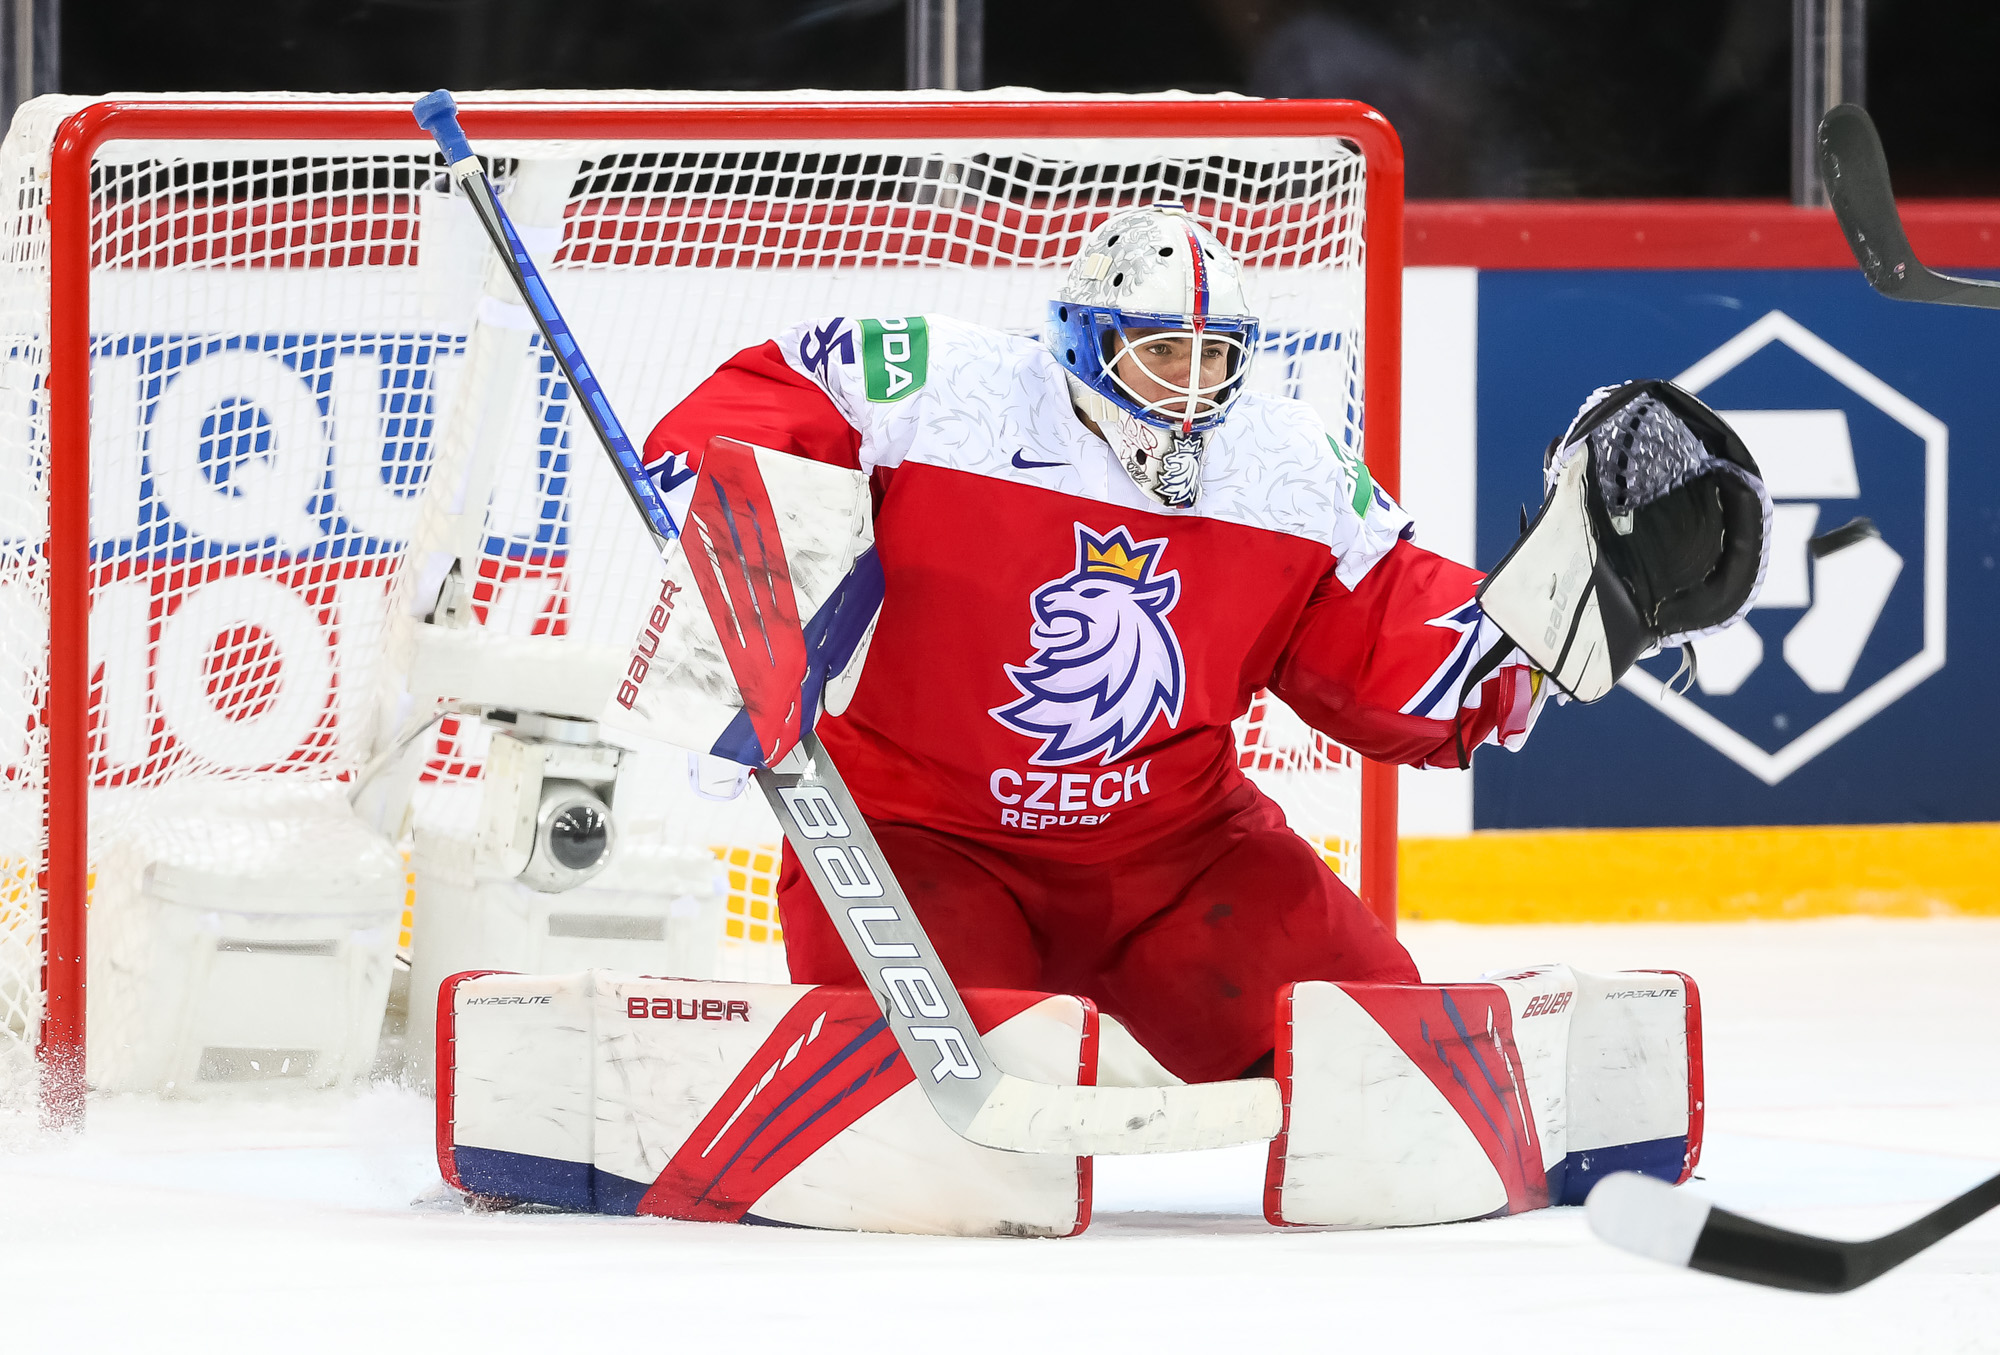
x,y
1655,530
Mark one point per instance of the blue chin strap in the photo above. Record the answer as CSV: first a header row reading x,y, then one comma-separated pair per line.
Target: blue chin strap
x,y
1084,337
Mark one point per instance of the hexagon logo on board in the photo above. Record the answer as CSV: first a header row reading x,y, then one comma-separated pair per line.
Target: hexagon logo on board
x,y
1852,614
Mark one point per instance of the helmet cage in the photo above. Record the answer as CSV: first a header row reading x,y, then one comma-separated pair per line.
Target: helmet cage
x,y
1092,340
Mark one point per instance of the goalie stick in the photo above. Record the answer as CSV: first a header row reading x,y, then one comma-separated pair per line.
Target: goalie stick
x,y
1857,183
933,1029
1651,1218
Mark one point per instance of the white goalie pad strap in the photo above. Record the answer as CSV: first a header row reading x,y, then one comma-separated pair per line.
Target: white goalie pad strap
x,y
1541,593
1426,1103
738,1102
775,555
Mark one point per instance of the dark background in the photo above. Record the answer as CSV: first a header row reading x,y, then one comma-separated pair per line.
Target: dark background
x,y
1494,98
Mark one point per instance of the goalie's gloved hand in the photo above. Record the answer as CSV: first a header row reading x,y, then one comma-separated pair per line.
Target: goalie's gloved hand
x,y
1655,530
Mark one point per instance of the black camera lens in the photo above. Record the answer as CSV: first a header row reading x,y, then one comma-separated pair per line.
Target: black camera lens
x,y
579,836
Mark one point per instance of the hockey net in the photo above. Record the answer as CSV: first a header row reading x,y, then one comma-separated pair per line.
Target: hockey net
x,y
243,327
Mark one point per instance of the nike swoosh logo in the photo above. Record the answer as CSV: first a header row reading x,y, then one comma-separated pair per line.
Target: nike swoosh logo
x,y
1022,463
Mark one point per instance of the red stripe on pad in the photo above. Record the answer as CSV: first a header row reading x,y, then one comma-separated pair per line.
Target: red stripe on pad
x,y
1086,1076
1274,1162
1697,1087
1462,1036
831,1060
446,1074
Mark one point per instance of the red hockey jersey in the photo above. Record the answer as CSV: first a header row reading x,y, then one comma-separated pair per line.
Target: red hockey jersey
x,y
1059,658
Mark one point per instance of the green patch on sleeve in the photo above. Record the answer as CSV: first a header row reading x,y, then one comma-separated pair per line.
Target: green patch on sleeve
x,y
1364,483
895,357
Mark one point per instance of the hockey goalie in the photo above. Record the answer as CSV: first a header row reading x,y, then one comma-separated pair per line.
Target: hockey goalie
x,y
1093,549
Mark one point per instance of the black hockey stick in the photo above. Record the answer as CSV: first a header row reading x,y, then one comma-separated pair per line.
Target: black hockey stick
x,y
1857,181
970,1093
1645,1215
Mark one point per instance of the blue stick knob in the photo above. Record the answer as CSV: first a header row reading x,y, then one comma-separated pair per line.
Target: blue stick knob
x,y
437,114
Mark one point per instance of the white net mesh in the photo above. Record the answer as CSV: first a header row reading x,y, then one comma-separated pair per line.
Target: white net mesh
x,y
288,340
24,283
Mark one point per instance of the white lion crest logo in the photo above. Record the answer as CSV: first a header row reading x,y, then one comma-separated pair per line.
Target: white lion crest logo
x,y
1105,661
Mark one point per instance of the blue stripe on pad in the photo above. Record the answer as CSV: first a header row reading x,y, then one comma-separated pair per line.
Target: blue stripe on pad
x,y
1572,1179
530,1179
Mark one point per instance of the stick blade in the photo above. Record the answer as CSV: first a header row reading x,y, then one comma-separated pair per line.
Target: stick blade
x,y
1647,1217
1036,1117
1857,184
1650,1218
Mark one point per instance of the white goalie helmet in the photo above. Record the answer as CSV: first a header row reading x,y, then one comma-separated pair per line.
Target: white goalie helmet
x,y
1149,291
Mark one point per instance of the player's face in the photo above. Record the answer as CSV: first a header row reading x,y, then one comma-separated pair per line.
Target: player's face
x,y
1157,364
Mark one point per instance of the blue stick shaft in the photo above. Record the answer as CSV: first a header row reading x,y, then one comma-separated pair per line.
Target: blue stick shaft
x,y
437,114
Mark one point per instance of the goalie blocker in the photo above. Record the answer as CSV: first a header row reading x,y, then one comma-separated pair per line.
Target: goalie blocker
x,y
784,1104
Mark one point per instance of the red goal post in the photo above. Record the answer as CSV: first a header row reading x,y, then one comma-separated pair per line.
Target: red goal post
x,y
82,243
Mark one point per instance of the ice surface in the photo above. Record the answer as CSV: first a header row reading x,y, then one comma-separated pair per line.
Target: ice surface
x,y
1854,1081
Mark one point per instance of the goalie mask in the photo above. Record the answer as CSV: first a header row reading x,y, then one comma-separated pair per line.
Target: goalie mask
x,y
1656,530
1155,332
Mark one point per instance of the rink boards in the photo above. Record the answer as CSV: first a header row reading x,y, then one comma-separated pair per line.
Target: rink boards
x,y
1849,703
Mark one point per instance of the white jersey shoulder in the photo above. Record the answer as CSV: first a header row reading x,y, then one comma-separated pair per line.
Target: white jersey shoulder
x,y
939,391
1273,464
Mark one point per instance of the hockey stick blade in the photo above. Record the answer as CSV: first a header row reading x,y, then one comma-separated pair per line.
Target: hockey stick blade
x,y
1645,1215
933,1029
1857,183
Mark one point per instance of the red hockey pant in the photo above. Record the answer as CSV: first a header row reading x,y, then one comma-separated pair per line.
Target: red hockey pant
x,y
1186,942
